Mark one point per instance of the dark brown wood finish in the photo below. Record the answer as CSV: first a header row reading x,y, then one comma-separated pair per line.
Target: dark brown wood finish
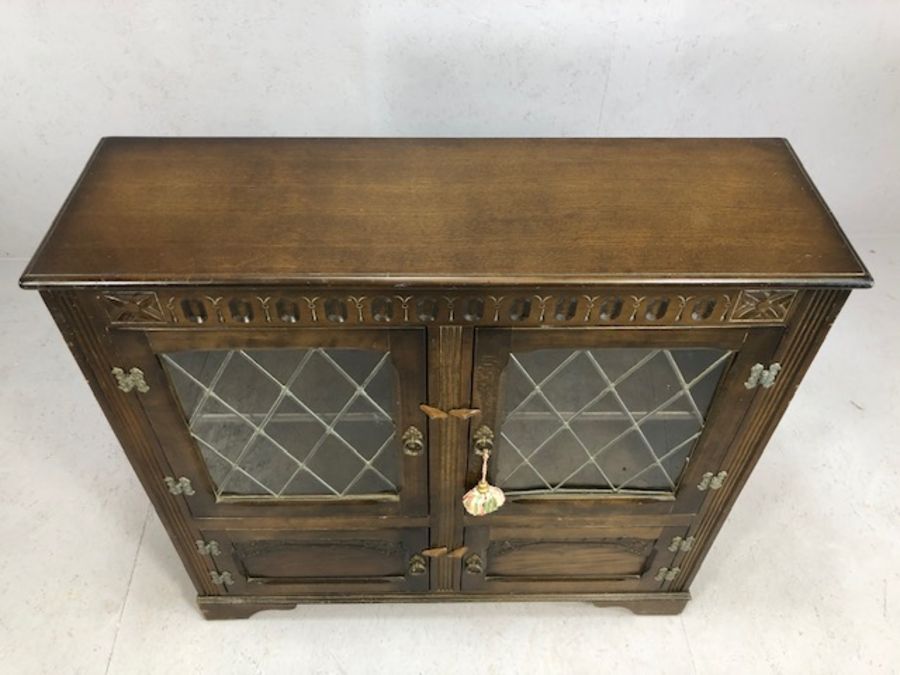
x,y
450,254
796,352
216,607
330,562
450,362
566,559
91,347
320,211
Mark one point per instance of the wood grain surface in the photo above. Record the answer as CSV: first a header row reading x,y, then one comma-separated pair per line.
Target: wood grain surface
x,y
444,211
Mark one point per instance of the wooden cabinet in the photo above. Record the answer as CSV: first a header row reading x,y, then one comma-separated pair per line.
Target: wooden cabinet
x,y
305,346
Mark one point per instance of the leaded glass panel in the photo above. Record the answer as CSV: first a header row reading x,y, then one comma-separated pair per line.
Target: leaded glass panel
x,y
282,423
603,420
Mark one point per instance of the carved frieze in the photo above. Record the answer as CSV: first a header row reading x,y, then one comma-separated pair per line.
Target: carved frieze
x,y
511,308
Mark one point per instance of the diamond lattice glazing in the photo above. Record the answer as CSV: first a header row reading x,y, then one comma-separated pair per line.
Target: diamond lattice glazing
x,y
283,423
603,420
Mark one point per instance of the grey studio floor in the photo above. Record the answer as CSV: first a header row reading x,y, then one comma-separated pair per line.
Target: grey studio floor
x,y
805,577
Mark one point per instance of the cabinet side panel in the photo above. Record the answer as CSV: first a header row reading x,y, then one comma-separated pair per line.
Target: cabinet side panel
x,y
803,337
93,353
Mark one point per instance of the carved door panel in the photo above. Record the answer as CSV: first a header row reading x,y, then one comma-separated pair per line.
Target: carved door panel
x,y
593,422
317,562
277,423
569,559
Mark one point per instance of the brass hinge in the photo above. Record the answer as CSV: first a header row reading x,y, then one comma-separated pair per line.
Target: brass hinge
x,y
133,379
210,547
712,481
182,486
762,376
221,579
681,544
666,574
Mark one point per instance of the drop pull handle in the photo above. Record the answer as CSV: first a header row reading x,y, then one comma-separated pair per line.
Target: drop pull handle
x,y
413,442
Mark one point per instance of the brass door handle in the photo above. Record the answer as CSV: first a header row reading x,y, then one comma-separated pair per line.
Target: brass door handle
x,y
484,441
474,564
417,566
413,442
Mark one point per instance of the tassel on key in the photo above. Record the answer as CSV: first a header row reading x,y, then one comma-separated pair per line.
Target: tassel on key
x,y
484,498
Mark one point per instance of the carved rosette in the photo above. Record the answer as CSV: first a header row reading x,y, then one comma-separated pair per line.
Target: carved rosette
x,y
142,307
762,305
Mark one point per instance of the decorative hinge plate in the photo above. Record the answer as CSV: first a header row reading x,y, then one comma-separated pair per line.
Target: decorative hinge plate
x,y
221,578
667,574
182,486
681,544
712,481
133,379
762,376
210,547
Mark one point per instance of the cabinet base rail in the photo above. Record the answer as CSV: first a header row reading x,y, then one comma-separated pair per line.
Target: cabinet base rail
x,y
243,606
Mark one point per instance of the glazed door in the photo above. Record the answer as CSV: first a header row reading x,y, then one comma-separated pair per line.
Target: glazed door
x,y
277,423
598,422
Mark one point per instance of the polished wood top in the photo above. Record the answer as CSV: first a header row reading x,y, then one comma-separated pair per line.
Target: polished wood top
x,y
444,211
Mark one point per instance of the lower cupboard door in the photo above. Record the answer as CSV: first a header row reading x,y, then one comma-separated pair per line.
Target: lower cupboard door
x,y
569,559
310,563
